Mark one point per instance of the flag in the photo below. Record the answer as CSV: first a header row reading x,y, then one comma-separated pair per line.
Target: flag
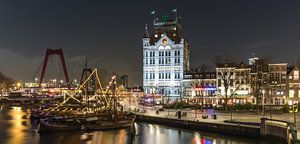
x,y
174,10
153,12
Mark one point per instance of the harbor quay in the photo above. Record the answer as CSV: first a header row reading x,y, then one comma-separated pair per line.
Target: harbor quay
x,y
236,124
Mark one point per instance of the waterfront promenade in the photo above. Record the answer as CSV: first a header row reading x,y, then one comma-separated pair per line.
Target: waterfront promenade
x,y
221,116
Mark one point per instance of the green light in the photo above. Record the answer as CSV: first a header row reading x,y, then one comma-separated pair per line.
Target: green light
x,y
165,18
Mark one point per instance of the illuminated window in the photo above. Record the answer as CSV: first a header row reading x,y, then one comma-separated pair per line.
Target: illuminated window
x,y
168,47
291,93
296,75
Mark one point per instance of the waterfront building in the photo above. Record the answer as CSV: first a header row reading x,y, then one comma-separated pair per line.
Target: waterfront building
x,y
242,84
225,71
129,97
259,79
198,85
236,77
293,83
276,93
270,81
165,58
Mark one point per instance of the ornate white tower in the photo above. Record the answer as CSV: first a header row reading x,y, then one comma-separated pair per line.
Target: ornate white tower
x,y
165,58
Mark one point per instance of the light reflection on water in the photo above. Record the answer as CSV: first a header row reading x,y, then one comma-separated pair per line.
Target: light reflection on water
x,y
15,128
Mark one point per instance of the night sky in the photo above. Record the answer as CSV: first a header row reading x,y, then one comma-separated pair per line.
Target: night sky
x,y
110,33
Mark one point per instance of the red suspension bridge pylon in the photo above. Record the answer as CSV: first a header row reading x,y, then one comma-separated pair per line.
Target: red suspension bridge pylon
x,y
54,52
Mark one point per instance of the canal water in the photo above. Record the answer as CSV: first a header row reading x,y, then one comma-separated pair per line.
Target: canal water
x,y
16,128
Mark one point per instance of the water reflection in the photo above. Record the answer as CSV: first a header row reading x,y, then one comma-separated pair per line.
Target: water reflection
x,y
15,128
14,125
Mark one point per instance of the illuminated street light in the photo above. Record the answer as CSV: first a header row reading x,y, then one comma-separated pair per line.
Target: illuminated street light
x,y
54,81
263,102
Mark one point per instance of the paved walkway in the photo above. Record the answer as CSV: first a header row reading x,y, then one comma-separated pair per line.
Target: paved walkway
x,y
243,117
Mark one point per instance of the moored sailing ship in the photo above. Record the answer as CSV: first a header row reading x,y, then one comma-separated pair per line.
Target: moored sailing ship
x,y
80,111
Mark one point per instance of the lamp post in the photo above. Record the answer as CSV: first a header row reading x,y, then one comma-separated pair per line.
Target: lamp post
x,y
296,79
54,81
195,107
61,82
36,81
168,102
263,102
295,118
144,102
18,85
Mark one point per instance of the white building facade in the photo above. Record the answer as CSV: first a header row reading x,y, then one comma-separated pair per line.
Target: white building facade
x,y
237,77
165,59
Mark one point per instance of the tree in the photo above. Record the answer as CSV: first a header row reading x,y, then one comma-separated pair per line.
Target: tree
x,y
203,69
226,76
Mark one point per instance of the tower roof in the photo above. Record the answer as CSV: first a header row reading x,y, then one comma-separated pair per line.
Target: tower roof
x,y
166,26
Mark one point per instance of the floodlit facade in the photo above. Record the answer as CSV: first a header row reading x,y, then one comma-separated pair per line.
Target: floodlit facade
x,y
237,77
293,87
276,90
198,85
165,58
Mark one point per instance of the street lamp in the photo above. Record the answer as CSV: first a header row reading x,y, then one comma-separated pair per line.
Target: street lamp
x,y
36,79
295,118
18,85
54,81
168,103
61,82
263,102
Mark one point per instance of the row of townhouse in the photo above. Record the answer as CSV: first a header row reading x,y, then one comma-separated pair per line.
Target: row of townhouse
x,y
255,82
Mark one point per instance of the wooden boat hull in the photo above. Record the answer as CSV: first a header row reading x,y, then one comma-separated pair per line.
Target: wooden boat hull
x,y
107,125
48,127
45,126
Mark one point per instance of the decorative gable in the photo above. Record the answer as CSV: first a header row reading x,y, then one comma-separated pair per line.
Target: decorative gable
x,y
164,40
164,43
